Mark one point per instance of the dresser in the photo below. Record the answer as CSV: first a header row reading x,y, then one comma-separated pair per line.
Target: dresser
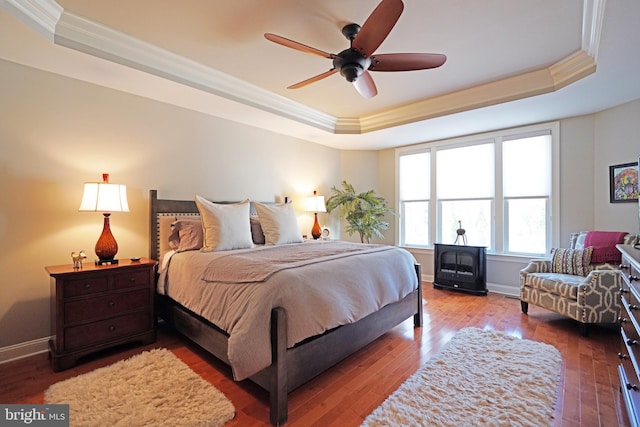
x,y
97,307
629,355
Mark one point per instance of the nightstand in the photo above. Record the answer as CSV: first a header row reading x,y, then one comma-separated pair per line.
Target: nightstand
x,y
97,307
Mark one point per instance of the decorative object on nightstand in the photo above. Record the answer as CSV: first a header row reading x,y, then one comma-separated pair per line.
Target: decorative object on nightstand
x,y
326,233
316,204
98,307
77,258
106,198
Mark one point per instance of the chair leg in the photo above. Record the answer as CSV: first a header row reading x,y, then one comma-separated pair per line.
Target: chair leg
x,y
584,329
525,306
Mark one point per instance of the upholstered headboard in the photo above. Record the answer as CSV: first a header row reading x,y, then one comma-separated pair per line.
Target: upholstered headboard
x,y
163,212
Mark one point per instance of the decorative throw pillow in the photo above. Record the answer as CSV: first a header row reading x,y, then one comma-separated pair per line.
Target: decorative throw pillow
x,y
279,223
225,226
571,261
604,245
186,235
257,235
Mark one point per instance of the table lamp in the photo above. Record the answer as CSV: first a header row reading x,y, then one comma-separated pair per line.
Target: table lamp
x,y
316,204
106,198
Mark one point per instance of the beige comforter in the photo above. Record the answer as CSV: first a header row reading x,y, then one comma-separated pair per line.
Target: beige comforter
x,y
318,294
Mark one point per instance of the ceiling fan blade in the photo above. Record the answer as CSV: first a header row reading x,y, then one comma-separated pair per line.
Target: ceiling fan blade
x,y
377,26
314,79
406,61
297,46
365,85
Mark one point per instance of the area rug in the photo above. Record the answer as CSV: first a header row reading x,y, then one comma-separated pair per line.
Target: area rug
x,y
480,378
154,388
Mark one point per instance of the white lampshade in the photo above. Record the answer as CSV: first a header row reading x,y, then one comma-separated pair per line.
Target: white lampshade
x,y
104,197
316,204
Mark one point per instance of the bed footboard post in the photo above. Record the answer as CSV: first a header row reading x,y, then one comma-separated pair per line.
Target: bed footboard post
x,y
279,411
417,318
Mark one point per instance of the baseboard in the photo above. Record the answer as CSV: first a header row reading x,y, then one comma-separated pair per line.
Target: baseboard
x,y
25,349
511,291
496,288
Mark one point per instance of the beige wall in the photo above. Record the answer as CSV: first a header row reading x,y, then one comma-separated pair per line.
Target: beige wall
x,y
616,134
56,133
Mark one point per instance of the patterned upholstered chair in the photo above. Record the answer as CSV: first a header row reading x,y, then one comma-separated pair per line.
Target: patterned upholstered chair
x,y
569,284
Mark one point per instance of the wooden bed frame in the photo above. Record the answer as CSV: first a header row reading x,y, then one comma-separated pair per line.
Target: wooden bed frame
x,y
291,367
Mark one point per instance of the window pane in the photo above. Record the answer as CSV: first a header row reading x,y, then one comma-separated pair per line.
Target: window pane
x,y
527,166
466,172
415,227
526,231
415,176
475,216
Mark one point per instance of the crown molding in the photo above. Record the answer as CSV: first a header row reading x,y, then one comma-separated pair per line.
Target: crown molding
x,y
73,31
40,15
566,71
90,37
592,22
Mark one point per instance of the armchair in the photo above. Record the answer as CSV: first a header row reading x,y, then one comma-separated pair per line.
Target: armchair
x,y
569,284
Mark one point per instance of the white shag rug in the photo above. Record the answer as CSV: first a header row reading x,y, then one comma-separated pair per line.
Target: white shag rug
x,y
480,378
153,388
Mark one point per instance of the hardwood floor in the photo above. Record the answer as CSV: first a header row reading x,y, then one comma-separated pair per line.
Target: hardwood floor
x,y
588,393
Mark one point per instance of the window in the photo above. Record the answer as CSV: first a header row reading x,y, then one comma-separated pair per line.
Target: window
x,y
526,166
465,183
498,187
415,173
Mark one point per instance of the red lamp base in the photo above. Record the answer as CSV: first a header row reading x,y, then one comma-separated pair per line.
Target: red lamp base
x,y
106,247
315,231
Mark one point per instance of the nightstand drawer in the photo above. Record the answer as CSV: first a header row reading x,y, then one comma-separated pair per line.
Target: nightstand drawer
x,y
85,286
106,330
106,306
131,279
100,306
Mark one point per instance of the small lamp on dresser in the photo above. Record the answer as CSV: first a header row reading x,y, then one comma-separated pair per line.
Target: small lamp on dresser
x,y
106,198
316,204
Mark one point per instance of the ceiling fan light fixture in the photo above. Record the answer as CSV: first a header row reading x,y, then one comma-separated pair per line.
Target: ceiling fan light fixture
x,y
351,72
355,62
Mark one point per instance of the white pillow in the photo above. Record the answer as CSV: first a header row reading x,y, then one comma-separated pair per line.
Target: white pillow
x,y
279,223
225,226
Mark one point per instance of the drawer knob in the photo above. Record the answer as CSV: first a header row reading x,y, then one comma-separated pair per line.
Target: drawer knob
x,y
632,342
622,356
633,307
133,279
622,320
87,285
623,266
623,290
112,304
633,278
112,328
632,387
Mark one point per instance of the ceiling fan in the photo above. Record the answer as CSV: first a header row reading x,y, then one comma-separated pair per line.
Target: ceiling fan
x,y
355,62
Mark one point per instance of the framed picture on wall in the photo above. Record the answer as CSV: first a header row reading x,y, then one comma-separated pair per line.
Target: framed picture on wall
x,y
623,183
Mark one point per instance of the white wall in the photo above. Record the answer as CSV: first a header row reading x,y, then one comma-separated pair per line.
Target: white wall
x,y
617,142
56,133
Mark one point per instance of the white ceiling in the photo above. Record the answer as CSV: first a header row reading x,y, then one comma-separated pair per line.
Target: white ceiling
x,y
509,63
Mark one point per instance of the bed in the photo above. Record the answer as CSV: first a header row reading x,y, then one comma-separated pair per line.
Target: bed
x,y
292,359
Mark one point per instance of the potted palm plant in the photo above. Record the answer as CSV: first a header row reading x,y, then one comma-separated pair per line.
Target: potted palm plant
x,y
364,212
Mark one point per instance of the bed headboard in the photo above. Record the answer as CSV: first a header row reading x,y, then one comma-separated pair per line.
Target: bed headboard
x,y
162,212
